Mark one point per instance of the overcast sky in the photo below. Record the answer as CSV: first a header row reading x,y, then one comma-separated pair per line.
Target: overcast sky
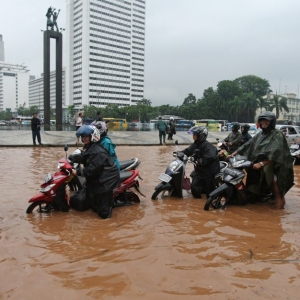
x,y
190,44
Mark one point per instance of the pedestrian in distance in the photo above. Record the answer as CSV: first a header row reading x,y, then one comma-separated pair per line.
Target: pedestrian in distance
x,y
97,117
162,129
78,123
172,129
36,129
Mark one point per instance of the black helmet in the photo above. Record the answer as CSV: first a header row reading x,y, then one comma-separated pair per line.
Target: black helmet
x,y
246,127
268,115
200,131
235,126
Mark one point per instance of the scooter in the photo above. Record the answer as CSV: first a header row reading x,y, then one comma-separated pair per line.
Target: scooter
x,y
172,179
295,152
53,194
232,188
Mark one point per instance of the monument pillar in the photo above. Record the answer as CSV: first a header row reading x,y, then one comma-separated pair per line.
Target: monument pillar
x,y
48,34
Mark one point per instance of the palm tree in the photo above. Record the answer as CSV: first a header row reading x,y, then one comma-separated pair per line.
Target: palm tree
x,y
235,106
249,104
280,104
261,103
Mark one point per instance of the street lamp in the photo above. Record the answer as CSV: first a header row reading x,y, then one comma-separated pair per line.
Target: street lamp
x,y
98,93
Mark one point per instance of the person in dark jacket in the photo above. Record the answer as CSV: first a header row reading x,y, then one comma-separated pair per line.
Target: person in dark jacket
x,y
101,173
207,162
245,134
97,117
172,129
36,128
234,139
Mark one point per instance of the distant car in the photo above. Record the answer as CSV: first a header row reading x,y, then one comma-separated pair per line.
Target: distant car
x,y
13,122
2,123
26,122
291,132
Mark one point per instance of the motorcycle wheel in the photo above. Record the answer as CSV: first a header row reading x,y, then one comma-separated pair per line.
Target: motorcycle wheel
x,y
159,194
41,206
215,202
132,197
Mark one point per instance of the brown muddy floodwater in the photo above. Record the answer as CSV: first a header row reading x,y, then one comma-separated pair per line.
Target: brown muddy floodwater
x,y
170,249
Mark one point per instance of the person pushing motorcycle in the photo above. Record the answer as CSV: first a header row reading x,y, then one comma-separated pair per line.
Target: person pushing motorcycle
x,y
100,171
276,173
207,162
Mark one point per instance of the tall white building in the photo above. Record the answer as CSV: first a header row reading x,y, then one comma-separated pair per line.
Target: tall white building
x,y
105,52
36,93
2,58
13,86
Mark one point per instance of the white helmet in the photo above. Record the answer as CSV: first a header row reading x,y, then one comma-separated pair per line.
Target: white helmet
x,y
102,127
171,118
89,130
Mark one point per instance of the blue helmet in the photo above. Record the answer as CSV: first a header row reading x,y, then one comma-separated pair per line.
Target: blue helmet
x,y
89,130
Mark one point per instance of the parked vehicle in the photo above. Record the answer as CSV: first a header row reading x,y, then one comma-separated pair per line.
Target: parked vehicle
x,y
232,188
295,152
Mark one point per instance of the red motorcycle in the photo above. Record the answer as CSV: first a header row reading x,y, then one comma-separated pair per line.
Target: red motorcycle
x,y
53,194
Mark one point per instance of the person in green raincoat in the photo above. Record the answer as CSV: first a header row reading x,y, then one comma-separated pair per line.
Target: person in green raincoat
x,y
276,173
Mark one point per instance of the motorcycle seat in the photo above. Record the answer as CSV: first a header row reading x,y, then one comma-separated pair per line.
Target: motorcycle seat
x,y
126,163
124,175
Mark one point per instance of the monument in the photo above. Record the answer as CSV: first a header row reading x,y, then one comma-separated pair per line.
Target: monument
x,y
51,34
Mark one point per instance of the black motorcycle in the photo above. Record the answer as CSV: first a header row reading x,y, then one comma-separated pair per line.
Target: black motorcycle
x,y
232,190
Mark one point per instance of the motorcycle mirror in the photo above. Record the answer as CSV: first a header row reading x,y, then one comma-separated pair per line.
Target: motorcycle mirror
x,y
66,147
217,140
176,142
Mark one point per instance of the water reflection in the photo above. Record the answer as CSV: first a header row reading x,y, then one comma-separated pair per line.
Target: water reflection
x,y
158,249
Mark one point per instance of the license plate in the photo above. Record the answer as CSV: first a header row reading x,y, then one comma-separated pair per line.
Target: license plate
x,y
48,177
294,146
164,177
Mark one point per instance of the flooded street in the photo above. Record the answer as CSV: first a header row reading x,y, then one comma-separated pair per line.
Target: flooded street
x,y
170,249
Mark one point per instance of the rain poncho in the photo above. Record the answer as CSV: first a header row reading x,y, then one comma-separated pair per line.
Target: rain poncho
x,y
275,146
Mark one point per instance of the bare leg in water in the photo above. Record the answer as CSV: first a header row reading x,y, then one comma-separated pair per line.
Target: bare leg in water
x,y
279,198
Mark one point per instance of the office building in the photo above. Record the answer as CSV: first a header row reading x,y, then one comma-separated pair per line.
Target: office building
x,y
36,93
13,86
105,60
2,58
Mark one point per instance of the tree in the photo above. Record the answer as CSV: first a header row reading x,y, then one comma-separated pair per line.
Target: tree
x,y
261,103
145,102
234,106
249,104
190,99
255,84
280,104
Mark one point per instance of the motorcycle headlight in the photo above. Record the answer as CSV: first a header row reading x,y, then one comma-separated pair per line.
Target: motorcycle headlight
x,y
173,165
60,165
47,188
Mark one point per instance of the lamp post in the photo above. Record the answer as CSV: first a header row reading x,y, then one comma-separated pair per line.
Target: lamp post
x,y
98,93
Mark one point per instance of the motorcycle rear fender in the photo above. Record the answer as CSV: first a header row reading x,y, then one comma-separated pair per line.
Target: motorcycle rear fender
x,y
221,189
41,196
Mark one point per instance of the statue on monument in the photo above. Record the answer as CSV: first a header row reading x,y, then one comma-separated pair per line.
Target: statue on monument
x,y
51,23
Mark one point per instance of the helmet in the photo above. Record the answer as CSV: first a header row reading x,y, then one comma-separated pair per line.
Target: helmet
x,y
235,126
246,127
200,131
89,130
268,115
102,127
171,119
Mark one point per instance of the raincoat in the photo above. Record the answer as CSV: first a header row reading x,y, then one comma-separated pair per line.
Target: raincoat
x,y
275,146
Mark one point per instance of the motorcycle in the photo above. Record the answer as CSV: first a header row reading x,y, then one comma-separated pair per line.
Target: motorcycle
x,y
223,150
232,188
295,152
53,194
172,179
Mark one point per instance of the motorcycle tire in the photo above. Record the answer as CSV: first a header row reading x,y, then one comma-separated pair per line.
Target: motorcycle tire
x,y
43,207
214,202
159,194
132,197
